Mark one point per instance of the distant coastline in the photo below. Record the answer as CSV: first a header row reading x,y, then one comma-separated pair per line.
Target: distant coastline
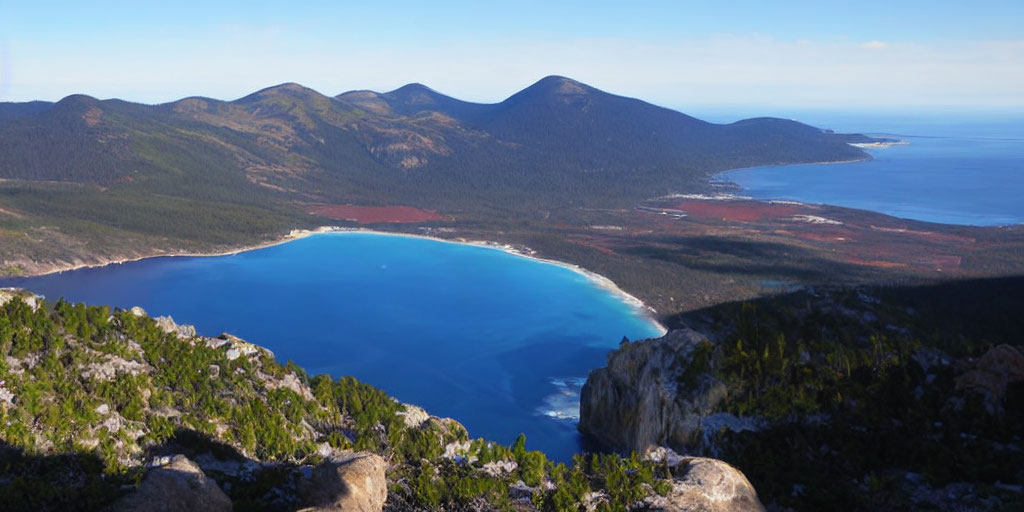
x,y
719,180
867,158
948,180
879,144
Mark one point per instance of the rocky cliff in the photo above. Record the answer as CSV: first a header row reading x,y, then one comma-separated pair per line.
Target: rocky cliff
x,y
652,393
830,398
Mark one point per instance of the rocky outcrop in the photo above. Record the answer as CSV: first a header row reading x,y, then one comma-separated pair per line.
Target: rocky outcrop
x,y
707,485
176,486
414,416
237,347
8,294
653,392
1001,366
168,325
357,484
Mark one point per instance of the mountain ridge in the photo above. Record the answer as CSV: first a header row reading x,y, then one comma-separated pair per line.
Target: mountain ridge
x,y
88,180
557,128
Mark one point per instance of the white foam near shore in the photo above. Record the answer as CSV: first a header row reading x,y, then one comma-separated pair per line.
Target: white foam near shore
x,y
564,403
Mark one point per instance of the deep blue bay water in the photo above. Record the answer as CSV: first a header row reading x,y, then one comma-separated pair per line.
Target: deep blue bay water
x,y
968,172
497,341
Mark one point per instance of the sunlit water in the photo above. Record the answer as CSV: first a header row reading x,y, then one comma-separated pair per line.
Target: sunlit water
x,y
966,173
500,342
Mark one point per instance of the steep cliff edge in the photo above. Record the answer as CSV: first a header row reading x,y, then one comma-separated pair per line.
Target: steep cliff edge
x,y
652,393
866,398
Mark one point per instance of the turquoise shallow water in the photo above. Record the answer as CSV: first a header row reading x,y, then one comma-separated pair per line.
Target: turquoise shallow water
x,y
497,341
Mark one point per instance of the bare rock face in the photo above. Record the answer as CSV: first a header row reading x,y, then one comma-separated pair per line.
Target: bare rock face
x,y
1001,366
652,393
9,294
708,485
168,325
179,485
357,484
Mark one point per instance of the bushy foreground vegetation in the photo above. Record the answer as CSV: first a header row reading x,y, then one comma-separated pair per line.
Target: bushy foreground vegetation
x,y
89,395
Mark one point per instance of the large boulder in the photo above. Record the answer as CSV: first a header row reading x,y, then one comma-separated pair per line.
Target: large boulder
x,y
652,393
176,486
356,484
708,485
1001,366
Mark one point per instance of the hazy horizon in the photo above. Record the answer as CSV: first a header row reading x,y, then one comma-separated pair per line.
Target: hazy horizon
x,y
801,54
724,112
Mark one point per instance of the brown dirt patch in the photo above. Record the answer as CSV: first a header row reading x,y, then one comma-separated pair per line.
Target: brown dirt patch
x,y
92,116
737,211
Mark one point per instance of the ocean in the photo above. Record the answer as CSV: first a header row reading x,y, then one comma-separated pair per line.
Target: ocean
x,y
966,170
500,342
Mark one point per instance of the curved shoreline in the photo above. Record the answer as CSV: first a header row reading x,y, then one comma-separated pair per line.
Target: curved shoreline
x,y
597,279
647,312
831,162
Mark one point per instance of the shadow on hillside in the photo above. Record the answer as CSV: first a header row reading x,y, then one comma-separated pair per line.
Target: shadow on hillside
x,y
75,481
64,481
953,315
763,259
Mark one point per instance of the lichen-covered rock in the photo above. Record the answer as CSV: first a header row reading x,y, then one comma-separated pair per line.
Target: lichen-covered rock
x,y
357,484
168,325
29,298
652,392
237,347
414,416
708,485
111,366
176,486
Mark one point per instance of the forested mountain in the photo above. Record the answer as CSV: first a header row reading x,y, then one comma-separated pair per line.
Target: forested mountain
x,y
10,110
85,179
556,141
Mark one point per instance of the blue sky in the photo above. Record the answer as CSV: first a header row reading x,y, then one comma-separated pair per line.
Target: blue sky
x,y
863,55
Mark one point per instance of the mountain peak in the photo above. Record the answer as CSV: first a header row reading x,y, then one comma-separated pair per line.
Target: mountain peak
x,y
555,84
288,88
416,94
413,88
411,99
557,89
78,99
